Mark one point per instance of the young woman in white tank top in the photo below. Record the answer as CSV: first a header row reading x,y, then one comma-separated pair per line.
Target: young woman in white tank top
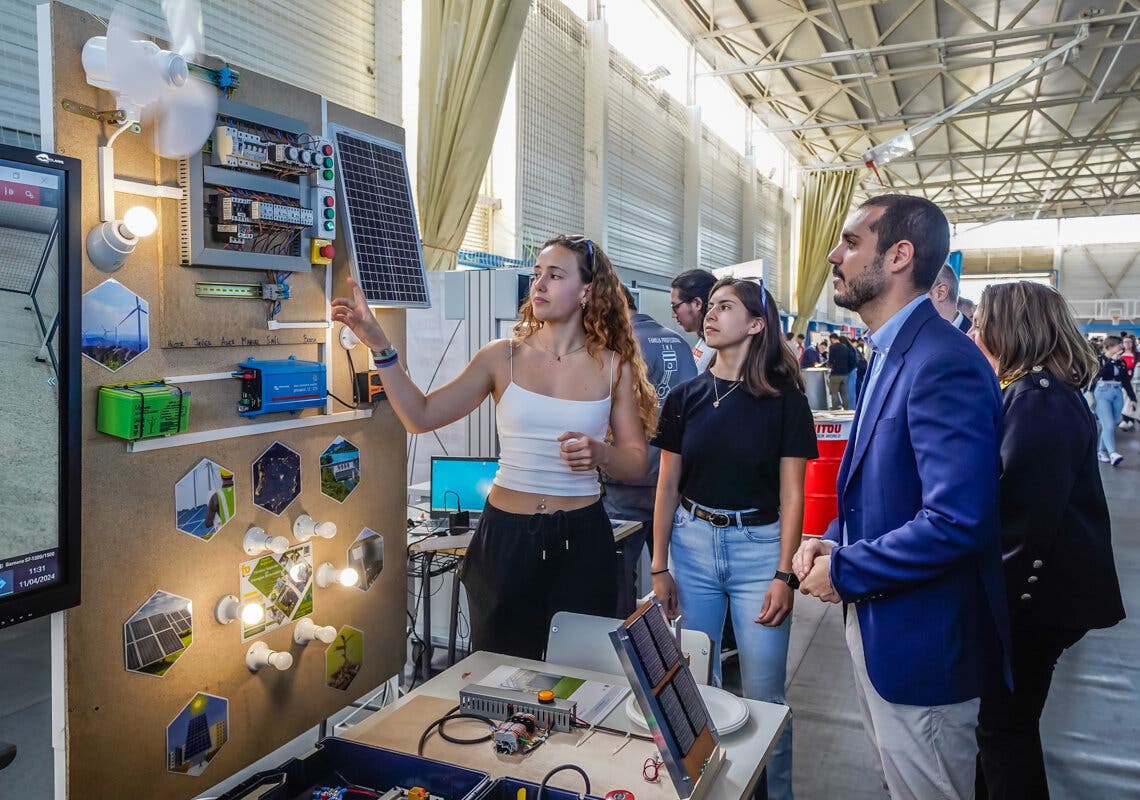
x,y
570,376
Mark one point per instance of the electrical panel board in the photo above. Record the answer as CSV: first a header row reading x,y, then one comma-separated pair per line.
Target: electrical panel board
x,y
261,194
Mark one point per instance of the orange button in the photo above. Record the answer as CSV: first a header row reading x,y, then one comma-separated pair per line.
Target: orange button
x,y
546,696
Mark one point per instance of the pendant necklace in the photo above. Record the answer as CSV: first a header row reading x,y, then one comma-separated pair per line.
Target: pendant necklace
x,y
718,395
559,358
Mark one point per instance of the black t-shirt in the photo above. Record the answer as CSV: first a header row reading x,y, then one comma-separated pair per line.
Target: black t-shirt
x,y
730,455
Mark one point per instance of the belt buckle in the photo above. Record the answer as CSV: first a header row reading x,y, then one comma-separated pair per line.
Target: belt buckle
x,y
719,520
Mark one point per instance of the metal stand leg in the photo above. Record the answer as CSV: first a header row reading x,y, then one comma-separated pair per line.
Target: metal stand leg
x,y
425,603
454,626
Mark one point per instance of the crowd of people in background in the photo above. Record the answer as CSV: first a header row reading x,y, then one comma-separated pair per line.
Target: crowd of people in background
x,y
969,496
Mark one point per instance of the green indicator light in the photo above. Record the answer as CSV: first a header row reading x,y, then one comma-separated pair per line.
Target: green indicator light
x,y
328,162
327,174
329,213
329,225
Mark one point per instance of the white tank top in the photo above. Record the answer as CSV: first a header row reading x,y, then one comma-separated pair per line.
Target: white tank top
x,y
529,426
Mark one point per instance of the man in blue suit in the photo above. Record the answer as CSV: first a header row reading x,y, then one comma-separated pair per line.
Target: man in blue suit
x,y
915,553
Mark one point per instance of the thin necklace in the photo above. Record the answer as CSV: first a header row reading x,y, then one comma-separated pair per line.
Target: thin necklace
x,y
718,395
559,358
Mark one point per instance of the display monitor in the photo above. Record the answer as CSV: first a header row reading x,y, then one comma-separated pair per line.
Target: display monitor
x,y
460,484
40,240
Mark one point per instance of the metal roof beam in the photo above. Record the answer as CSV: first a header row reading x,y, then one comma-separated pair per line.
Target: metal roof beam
x,y
1027,32
1045,102
718,33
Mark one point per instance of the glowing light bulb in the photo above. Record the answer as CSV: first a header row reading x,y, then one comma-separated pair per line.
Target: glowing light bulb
x,y
140,221
252,613
349,576
296,571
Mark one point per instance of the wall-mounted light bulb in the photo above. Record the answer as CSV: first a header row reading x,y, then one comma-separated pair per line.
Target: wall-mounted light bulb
x,y
299,572
256,541
140,221
306,631
327,575
259,655
305,528
229,609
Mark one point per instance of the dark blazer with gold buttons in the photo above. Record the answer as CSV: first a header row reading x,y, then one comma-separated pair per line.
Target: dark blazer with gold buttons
x,y
1056,538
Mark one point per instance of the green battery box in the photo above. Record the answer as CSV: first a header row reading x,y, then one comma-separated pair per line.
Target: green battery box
x,y
142,409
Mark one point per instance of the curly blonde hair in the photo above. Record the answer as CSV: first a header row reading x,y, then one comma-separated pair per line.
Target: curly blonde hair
x,y
605,320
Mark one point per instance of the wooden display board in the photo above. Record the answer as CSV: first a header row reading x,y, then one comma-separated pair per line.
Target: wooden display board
x,y
117,720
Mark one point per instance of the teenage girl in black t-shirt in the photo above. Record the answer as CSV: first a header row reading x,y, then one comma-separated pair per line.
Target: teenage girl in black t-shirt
x,y
734,446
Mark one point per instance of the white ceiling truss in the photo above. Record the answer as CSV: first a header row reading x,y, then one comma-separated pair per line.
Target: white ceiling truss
x,y
833,78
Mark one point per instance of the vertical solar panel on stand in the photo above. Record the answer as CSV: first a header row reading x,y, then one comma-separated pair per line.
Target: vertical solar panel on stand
x,y
379,219
666,691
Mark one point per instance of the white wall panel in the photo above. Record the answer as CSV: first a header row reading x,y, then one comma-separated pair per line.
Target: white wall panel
x,y
331,49
722,189
1096,272
645,159
550,71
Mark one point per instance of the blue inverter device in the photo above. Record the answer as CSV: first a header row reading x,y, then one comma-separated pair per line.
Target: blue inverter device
x,y
284,384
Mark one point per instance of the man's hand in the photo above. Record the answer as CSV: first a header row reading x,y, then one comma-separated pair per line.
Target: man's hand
x,y
818,581
811,548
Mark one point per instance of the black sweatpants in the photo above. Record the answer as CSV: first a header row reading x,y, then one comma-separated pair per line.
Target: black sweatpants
x,y
522,568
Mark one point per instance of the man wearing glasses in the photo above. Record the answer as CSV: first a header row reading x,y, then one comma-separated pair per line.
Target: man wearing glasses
x,y
689,300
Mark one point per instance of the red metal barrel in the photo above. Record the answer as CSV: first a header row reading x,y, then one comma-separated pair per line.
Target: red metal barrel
x,y
832,429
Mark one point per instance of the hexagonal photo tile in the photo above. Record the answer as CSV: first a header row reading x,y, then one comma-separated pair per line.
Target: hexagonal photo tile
x,y
158,633
344,657
340,469
204,500
196,735
116,325
366,555
276,478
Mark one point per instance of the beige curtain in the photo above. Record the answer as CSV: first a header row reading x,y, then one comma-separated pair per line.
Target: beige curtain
x,y
468,52
827,197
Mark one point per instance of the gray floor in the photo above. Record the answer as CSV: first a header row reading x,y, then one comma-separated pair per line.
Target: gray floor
x,y
28,429
1091,728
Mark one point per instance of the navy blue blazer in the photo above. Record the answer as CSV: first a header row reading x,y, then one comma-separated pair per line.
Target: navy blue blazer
x,y
965,324
918,493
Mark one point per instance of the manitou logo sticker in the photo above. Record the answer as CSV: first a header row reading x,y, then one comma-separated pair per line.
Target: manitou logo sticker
x,y
832,430
44,158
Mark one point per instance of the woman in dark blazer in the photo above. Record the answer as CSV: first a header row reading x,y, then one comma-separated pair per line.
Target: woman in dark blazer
x,y
1056,546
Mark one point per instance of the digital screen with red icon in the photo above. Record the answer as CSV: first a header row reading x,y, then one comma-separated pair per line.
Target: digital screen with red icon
x,y
28,187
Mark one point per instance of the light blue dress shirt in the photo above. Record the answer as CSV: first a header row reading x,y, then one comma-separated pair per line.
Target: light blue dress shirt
x,y
880,342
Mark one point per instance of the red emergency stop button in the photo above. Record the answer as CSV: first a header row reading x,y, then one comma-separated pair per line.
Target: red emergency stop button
x,y
328,251
327,149
329,200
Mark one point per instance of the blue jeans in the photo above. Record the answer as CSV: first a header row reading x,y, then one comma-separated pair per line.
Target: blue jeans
x,y
1109,403
731,568
852,388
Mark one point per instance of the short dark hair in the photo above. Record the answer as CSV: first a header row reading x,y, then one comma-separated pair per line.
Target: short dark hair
x,y
789,336
629,299
918,221
694,283
799,336
834,337
948,276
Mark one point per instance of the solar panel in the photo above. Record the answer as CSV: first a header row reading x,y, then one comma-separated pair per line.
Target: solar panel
x,y
132,657
169,642
149,650
379,219
139,628
674,709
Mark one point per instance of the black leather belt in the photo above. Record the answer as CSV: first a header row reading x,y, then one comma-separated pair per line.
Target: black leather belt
x,y
720,519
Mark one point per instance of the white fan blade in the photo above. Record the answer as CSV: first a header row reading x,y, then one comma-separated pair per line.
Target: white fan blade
x,y
183,119
184,22
131,68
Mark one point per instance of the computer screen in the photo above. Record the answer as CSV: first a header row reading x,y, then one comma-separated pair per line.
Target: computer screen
x,y
39,429
466,480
